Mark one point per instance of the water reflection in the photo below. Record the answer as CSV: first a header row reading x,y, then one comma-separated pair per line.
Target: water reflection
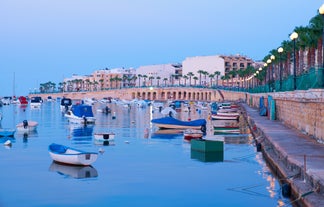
x,y
167,134
207,156
104,143
80,130
78,172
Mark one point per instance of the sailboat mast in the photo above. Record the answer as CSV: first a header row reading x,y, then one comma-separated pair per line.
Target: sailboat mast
x,y
13,86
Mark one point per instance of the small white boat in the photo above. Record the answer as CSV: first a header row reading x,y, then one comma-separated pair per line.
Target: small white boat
x,y
104,136
36,102
27,126
63,154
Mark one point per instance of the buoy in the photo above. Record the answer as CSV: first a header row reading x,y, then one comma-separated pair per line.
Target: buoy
x,y
7,143
101,150
286,190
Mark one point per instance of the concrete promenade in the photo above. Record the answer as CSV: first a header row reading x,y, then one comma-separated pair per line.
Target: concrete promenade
x,y
297,159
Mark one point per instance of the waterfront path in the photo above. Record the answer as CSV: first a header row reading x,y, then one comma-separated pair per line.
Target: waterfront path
x,y
297,158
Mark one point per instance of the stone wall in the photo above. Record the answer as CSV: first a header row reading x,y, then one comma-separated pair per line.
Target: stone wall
x,y
302,110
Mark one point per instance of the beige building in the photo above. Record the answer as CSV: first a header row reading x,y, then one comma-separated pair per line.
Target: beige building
x,y
158,75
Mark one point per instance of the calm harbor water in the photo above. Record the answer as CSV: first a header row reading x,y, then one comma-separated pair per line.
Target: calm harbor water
x,y
137,169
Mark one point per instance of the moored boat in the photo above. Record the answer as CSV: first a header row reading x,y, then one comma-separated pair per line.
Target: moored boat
x,y
66,104
36,102
104,136
81,114
172,123
68,155
27,126
22,100
224,117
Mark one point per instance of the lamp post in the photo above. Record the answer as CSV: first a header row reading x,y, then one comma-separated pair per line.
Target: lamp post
x,y
269,62
280,50
293,37
272,57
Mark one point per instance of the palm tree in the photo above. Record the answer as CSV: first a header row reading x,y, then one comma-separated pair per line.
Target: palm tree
x,y
165,80
179,78
316,40
217,73
111,79
139,79
200,72
158,80
211,76
302,43
205,73
144,76
190,74
286,56
232,74
185,78
124,79
195,78
151,79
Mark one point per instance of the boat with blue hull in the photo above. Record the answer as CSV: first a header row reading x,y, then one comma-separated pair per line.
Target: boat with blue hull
x,y
172,123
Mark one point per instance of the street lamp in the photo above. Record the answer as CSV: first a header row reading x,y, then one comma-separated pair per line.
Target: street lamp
x,y
272,57
269,62
293,37
280,50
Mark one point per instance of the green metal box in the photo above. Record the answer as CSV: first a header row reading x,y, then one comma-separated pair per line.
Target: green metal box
x,y
203,145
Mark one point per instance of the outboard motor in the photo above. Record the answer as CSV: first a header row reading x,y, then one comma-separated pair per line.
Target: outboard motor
x,y
107,110
25,124
85,120
203,128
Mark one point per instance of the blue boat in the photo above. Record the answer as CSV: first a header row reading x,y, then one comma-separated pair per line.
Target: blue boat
x,y
172,123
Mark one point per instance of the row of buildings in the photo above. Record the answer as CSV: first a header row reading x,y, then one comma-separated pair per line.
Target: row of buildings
x,y
199,70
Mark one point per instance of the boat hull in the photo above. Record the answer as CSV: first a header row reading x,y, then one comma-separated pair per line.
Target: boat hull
x,y
222,117
172,123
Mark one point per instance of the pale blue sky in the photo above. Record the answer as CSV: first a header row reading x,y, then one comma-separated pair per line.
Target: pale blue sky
x,y
47,40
